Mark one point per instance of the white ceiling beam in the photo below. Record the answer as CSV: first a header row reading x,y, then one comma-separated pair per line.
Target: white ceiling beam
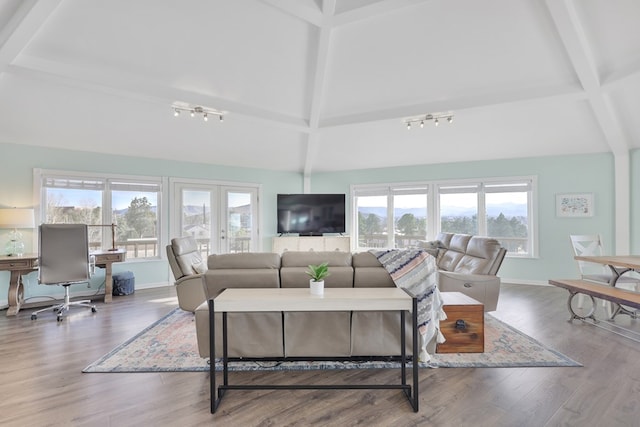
x,y
371,10
298,9
576,44
21,28
319,89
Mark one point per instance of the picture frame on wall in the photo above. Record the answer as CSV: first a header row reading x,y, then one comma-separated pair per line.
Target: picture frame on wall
x,y
574,205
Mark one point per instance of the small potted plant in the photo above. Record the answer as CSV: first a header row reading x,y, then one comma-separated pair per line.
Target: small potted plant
x,y
317,274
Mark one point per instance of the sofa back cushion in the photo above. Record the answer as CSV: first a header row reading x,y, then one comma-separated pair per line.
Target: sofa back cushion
x,y
456,245
184,257
470,254
244,260
294,265
369,273
242,270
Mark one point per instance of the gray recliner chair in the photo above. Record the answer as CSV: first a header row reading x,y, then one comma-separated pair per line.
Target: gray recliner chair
x,y
188,269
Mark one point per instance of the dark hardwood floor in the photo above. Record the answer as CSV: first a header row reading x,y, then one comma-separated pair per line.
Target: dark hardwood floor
x,y
42,384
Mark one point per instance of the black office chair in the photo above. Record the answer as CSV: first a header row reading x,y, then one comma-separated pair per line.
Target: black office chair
x,y
63,258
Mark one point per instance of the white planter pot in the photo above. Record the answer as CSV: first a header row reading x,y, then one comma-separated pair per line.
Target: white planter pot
x,y
317,288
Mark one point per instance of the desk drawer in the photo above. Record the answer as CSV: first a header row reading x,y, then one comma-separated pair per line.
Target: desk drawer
x,y
22,264
102,258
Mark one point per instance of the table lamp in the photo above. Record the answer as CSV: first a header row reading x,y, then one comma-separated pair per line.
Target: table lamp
x,y
16,218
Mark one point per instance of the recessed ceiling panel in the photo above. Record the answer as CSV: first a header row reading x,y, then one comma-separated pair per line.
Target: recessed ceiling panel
x,y
243,50
612,31
443,49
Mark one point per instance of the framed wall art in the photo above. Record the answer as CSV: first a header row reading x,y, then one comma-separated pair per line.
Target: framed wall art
x,y
574,205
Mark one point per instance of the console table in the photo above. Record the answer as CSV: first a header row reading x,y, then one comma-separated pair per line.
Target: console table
x,y
24,264
300,299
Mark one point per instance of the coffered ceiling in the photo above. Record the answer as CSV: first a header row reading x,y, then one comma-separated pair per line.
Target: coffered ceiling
x,y
321,85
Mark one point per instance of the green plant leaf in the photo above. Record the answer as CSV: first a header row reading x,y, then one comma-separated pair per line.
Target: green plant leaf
x,y
318,272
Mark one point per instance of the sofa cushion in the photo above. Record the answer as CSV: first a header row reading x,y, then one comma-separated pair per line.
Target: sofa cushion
x,y
306,258
242,270
369,273
480,256
296,263
245,260
188,257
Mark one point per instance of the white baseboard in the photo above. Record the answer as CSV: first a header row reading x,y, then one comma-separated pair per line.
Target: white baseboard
x,y
524,282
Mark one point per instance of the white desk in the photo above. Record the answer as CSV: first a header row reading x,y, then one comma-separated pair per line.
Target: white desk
x,y
300,299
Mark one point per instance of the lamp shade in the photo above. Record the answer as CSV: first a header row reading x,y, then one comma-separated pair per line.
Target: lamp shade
x,y
17,218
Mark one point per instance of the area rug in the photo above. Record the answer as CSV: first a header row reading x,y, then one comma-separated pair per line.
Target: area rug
x,y
169,345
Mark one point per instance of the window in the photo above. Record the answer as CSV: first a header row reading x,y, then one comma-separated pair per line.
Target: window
x,y
131,204
500,208
390,217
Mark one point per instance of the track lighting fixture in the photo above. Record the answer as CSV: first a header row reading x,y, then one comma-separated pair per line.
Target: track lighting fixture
x,y
195,109
436,117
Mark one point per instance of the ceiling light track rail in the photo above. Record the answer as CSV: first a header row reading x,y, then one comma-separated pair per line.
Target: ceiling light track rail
x,y
435,117
194,110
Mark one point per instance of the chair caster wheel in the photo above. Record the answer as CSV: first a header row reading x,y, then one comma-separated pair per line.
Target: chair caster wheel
x,y
93,310
34,316
60,318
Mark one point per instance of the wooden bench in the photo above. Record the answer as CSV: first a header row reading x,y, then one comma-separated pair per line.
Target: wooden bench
x,y
605,292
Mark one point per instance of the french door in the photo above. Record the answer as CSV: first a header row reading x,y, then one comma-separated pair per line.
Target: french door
x,y
222,218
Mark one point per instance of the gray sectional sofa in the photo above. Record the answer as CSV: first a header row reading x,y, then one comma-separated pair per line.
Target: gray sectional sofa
x,y
466,264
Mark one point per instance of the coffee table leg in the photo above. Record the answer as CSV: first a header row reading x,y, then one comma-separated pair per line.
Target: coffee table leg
x,y
416,354
212,357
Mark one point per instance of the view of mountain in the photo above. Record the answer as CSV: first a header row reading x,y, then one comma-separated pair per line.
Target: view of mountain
x,y
508,209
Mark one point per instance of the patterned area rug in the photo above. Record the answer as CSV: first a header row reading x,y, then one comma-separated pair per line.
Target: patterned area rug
x,y
169,345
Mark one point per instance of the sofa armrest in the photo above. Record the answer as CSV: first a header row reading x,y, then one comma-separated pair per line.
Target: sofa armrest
x,y
481,287
190,291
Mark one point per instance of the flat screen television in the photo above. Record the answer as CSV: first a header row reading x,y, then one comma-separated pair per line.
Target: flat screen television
x,y
311,214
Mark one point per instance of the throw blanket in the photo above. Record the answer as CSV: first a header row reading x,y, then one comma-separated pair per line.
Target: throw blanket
x,y
415,271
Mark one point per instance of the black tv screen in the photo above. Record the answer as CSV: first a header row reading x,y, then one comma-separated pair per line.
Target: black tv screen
x,y
311,214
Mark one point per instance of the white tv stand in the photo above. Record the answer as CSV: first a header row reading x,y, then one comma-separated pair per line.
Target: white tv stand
x,y
311,243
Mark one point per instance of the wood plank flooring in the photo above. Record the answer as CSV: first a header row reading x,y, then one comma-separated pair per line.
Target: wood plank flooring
x,y
41,383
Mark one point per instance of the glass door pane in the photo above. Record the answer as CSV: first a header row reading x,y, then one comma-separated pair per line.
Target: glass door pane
x,y
239,233
196,218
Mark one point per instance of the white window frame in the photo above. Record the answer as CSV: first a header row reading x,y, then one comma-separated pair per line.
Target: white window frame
x,y
218,187
481,185
120,182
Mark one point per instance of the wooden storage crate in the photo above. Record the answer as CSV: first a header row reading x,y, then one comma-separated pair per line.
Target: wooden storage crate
x,y
464,327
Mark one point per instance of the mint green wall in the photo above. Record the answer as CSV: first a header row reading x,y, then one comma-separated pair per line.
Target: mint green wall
x,y
567,174
16,174
635,201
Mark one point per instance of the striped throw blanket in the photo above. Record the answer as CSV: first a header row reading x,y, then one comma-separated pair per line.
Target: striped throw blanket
x,y
416,272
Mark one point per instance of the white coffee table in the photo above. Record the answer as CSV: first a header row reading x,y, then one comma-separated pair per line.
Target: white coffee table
x,y
300,299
